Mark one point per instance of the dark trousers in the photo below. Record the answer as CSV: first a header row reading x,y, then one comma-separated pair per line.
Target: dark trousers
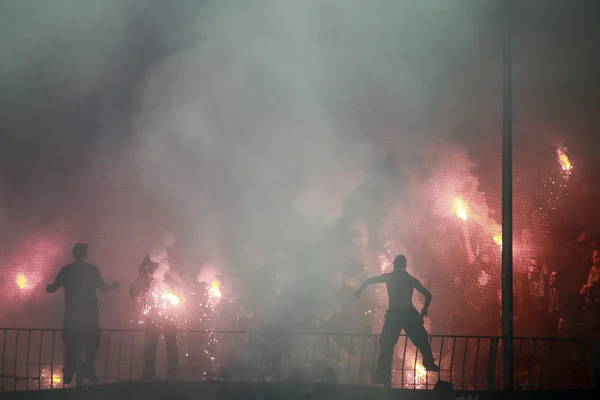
x,y
395,321
89,342
151,343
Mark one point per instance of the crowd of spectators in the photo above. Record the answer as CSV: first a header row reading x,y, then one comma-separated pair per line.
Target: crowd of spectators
x,y
562,300
575,290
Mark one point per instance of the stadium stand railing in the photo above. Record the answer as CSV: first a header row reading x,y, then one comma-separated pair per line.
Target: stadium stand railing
x,y
32,359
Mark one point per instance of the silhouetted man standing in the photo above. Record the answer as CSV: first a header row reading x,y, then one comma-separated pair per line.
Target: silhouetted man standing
x,y
81,321
401,315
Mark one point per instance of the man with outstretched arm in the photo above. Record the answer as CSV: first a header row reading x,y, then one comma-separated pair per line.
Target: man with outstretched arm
x,y
81,325
401,315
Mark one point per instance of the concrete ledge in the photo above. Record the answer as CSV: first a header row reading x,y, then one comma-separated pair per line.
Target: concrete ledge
x,y
272,391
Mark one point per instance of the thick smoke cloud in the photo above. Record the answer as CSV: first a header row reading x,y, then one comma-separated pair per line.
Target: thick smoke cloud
x,y
284,113
278,140
68,74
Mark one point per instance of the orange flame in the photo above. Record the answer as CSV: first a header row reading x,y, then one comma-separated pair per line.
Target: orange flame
x,y
563,160
498,239
57,379
498,236
171,298
420,370
47,376
22,281
214,290
460,208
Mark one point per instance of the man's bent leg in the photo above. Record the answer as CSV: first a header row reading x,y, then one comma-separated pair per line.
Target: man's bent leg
x,y
389,337
418,335
171,346
151,341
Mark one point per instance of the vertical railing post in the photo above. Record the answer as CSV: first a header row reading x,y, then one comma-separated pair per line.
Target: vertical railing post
x,y
27,360
373,370
131,356
507,207
40,359
3,357
491,367
362,358
223,355
349,366
286,351
107,357
119,356
16,360
52,361
594,363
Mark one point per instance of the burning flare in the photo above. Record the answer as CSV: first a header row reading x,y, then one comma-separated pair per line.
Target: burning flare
x,y
50,379
161,303
171,298
563,160
22,281
384,263
420,370
498,236
460,208
214,290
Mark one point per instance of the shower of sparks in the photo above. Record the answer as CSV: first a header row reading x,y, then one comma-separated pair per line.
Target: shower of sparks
x,y
49,380
22,281
201,305
460,208
557,184
171,298
415,375
191,309
384,263
201,309
161,304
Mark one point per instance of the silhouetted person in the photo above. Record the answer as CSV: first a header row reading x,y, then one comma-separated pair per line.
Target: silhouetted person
x,y
156,321
401,315
576,263
81,322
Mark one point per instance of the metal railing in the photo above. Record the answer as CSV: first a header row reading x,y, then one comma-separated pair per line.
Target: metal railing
x,y
32,359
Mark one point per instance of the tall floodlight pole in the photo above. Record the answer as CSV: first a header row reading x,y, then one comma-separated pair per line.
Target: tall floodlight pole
x,y
507,210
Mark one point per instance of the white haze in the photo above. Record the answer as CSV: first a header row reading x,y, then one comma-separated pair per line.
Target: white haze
x,y
281,112
311,134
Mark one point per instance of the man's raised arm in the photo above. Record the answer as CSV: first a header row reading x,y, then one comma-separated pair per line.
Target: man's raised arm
x,y
58,282
421,289
368,282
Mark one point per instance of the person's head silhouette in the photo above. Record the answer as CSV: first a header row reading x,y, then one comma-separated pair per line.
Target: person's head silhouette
x,y
80,252
400,263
